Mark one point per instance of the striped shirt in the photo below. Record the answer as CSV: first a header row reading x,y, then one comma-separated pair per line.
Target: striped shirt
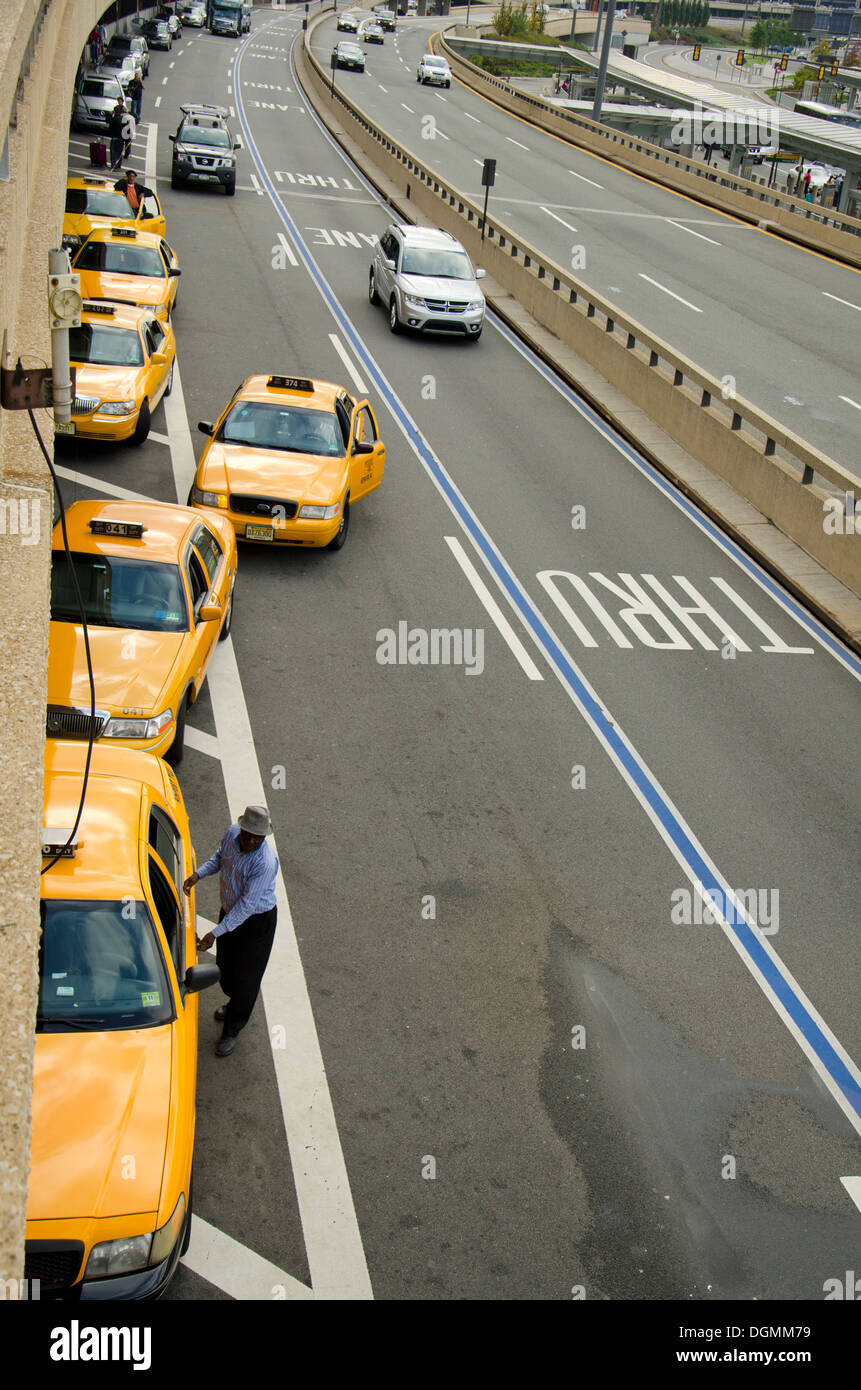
x,y
247,880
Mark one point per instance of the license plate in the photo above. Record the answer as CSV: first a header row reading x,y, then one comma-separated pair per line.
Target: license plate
x,y
65,429
259,533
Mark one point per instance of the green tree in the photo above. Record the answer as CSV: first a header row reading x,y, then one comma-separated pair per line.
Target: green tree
x,y
822,49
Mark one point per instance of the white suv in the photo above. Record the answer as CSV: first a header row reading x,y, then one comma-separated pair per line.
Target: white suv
x,y
426,281
434,70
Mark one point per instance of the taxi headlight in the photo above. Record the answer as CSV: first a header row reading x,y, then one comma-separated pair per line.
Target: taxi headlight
x,y
137,728
117,408
118,1256
166,1237
201,498
320,513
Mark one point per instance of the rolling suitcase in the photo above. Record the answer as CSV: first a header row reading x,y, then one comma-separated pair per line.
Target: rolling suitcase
x,y
98,153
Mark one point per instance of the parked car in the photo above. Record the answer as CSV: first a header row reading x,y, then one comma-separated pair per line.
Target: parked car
x,y
96,95
134,44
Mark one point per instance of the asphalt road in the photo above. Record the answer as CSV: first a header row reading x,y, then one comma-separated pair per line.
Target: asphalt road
x,y
778,320
542,1082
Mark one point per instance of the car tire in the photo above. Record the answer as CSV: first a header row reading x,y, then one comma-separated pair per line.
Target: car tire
x,y
143,424
175,180
169,387
176,749
339,541
230,188
186,1240
228,621
372,288
448,84
394,321
474,337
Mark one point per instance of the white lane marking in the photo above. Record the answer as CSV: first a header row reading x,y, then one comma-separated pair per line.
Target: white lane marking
x,y
237,140
479,161
775,643
232,113
558,219
256,185
182,459
151,151
159,438
690,230
442,135
512,141
350,366
279,177
99,484
506,631
382,88
440,95
333,1242
849,401
408,108
164,81
234,1268
172,65
157,103
584,179
229,90
472,118
853,1187
204,743
672,293
838,300
287,248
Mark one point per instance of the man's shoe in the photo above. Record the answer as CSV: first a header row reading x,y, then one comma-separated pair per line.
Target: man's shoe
x,y
226,1046
220,1014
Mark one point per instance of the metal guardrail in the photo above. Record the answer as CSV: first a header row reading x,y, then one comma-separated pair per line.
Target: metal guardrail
x,y
763,432
765,197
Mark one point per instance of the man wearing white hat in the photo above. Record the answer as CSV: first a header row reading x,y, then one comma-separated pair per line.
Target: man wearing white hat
x,y
246,925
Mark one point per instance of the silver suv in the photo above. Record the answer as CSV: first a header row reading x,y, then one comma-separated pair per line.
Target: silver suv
x,y
426,280
203,149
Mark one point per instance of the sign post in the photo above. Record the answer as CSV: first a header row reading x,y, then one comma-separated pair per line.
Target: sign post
x,y
488,177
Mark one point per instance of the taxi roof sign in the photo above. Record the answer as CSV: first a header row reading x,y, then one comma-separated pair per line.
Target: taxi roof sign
x,y
56,842
290,383
93,306
124,231
107,526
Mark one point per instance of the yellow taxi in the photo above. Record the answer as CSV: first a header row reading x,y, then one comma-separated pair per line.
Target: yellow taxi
x,y
134,267
115,1068
123,359
157,586
94,202
287,459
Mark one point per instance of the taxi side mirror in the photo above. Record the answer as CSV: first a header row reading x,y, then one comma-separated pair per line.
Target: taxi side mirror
x,y
173,272
205,427
159,359
362,446
198,977
209,612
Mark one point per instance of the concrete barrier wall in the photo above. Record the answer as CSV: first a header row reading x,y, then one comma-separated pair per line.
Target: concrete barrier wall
x,y
726,437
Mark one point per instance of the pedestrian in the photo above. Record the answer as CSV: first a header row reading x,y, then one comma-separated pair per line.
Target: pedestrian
x,y
129,132
246,924
708,153
135,91
135,192
117,131
808,177
94,43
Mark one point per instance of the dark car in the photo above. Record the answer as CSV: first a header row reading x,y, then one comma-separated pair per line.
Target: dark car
x,y
157,34
387,19
372,32
348,23
131,43
203,151
349,55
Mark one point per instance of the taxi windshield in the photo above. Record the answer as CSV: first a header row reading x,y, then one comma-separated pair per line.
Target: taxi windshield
x,y
100,968
105,347
120,258
118,591
449,265
194,134
277,426
98,202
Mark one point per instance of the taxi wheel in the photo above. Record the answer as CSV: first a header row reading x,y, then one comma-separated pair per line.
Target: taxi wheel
x,y
226,625
175,751
372,288
394,321
143,425
338,542
169,387
186,1240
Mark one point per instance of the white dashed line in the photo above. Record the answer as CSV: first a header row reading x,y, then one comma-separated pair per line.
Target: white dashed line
x,y
512,141
472,118
408,108
683,228
256,185
559,219
584,179
157,103
849,401
847,302
671,293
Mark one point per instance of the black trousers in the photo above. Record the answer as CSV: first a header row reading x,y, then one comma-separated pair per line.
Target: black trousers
x,y
242,955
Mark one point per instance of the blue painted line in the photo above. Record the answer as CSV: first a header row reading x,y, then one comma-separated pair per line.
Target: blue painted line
x,y
770,970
